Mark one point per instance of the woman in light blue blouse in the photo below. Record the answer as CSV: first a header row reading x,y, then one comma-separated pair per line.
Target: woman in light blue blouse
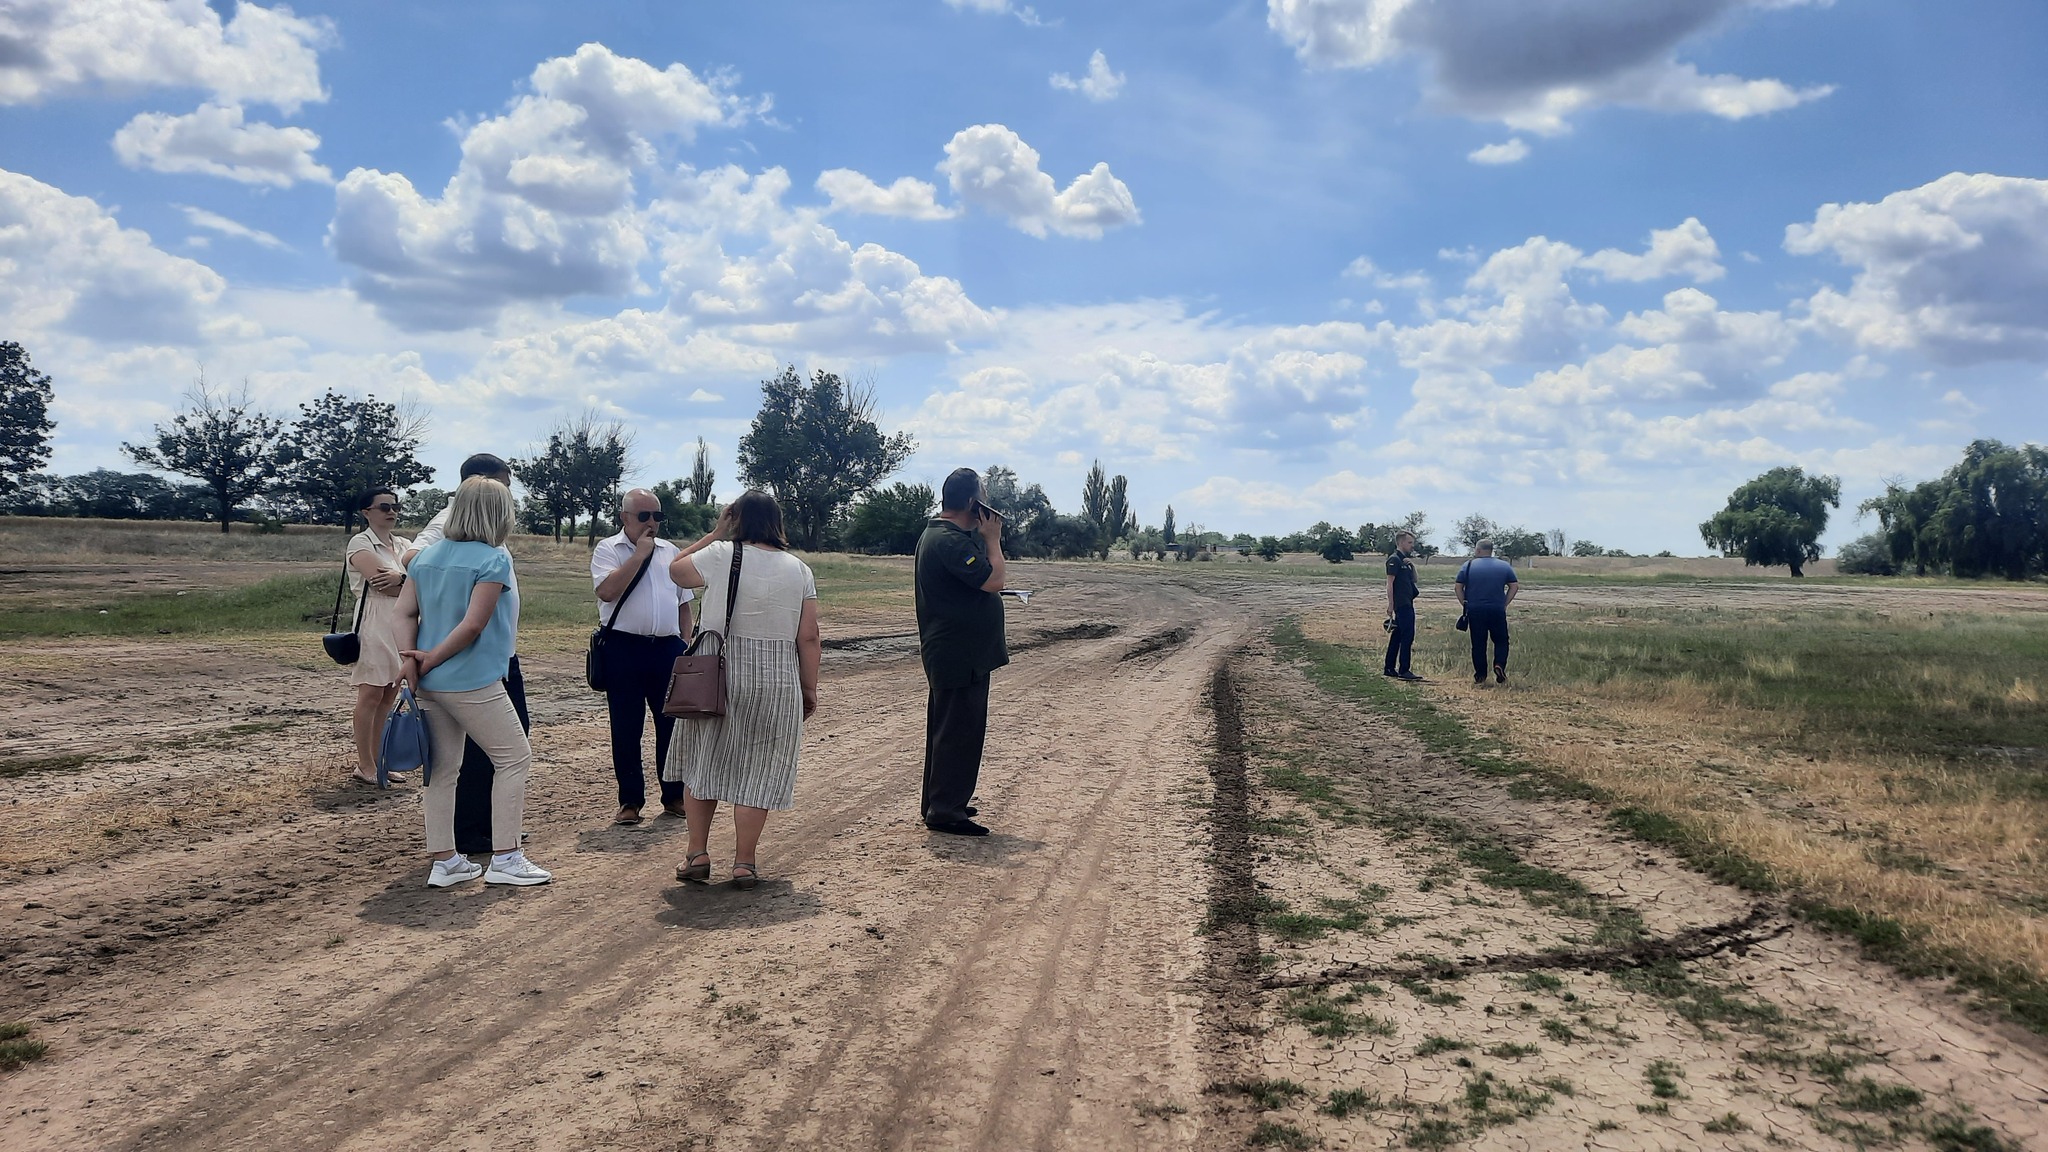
x,y
460,606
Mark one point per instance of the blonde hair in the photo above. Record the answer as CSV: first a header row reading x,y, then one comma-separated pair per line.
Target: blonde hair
x,y
482,511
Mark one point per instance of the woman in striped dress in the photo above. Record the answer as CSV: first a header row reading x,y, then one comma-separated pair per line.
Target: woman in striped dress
x,y
747,758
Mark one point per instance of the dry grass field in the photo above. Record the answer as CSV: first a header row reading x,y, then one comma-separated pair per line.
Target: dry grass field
x,y
1732,861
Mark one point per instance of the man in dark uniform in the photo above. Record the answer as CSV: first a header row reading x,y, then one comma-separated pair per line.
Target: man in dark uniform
x,y
959,571
1401,593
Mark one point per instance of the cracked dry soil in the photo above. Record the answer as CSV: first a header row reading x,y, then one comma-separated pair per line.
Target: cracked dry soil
x,y
253,961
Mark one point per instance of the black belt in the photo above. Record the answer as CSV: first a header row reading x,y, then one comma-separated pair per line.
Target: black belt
x,y
618,635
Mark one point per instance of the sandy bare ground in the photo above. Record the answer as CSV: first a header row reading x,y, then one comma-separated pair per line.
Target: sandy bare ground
x,y
253,961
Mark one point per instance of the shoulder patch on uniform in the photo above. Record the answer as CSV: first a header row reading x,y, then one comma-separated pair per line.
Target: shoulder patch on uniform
x,y
970,559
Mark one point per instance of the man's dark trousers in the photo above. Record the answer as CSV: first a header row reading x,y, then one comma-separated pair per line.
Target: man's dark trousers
x,y
1485,623
473,789
637,670
1401,642
955,728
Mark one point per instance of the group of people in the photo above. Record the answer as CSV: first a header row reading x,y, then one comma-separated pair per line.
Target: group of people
x,y
1485,586
440,614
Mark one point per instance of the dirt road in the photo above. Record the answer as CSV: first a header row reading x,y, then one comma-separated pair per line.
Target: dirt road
x,y
294,984
267,970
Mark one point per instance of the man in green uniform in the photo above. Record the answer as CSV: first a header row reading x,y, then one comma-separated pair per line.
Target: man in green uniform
x,y
959,572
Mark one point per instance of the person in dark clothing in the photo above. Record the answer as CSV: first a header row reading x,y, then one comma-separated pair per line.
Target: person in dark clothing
x,y
958,573
1486,586
649,629
1401,594
473,788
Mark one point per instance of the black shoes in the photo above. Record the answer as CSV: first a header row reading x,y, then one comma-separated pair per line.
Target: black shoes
x,y
957,827
1500,673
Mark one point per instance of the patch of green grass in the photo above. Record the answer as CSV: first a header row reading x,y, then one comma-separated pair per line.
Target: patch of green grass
x,y
1512,1051
1161,1111
1957,1134
1433,1134
1277,919
1723,864
1726,1124
17,1048
1697,1001
15,766
1435,1044
1432,996
1265,1095
1867,1095
1329,1019
1560,1031
1349,1101
1271,1134
1663,1076
1538,982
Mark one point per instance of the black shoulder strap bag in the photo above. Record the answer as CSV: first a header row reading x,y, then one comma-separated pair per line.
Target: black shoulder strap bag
x,y
593,661
344,648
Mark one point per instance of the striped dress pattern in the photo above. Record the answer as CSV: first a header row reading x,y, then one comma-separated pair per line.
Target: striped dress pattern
x,y
747,756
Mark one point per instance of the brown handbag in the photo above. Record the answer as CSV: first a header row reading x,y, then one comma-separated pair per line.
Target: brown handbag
x,y
696,685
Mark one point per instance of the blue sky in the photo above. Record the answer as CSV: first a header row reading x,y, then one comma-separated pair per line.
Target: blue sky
x,y
1581,264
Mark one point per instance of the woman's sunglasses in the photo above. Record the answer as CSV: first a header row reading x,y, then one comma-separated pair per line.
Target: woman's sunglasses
x,y
657,517
385,507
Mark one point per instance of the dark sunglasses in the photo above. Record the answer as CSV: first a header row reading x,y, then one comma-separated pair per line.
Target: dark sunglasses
x,y
386,507
657,517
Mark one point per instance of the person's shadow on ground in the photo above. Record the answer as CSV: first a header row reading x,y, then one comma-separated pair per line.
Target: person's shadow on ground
x,y
995,850
407,902
718,907
630,837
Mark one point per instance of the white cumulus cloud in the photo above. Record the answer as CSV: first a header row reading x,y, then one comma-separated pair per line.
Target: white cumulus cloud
x,y
993,168
542,205
851,191
63,47
1098,84
1957,268
69,265
1687,250
1511,151
1532,64
216,141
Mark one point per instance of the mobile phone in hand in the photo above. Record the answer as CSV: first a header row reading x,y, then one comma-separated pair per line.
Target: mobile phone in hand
x,y
983,509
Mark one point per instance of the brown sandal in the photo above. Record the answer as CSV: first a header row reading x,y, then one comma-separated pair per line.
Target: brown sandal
x,y
694,873
750,879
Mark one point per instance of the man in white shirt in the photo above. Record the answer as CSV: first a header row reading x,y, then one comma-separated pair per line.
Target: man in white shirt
x,y
649,626
473,788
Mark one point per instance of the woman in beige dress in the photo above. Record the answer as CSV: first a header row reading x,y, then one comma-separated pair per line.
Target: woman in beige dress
x,y
747,757
376,576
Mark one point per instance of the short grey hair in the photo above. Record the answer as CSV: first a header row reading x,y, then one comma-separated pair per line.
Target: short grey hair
x,y
1483,548
626,498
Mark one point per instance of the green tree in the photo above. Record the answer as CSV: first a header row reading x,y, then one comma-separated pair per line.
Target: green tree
x,y
1118,519
1336,547
1868,555
1587,548
1472,529
551,497
1269,547
221,440
702,478
419,505
1095,506
599,458
1986,516
1166,529
105,494
684,519
25,424
341,445
889,520
1518,543
817,449
1774,519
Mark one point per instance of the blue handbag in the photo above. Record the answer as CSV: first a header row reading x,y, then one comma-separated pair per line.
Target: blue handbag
x,y
405,745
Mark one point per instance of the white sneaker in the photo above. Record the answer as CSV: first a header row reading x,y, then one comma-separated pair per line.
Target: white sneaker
x,y
516,869
452,871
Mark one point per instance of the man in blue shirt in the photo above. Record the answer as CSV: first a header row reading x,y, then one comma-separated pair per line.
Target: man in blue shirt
x,y
1486,587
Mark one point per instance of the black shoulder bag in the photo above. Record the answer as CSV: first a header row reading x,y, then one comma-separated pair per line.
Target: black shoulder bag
x,y
344,648
593,660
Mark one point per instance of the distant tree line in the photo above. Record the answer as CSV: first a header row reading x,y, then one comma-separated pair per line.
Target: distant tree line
x,y
1986,516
